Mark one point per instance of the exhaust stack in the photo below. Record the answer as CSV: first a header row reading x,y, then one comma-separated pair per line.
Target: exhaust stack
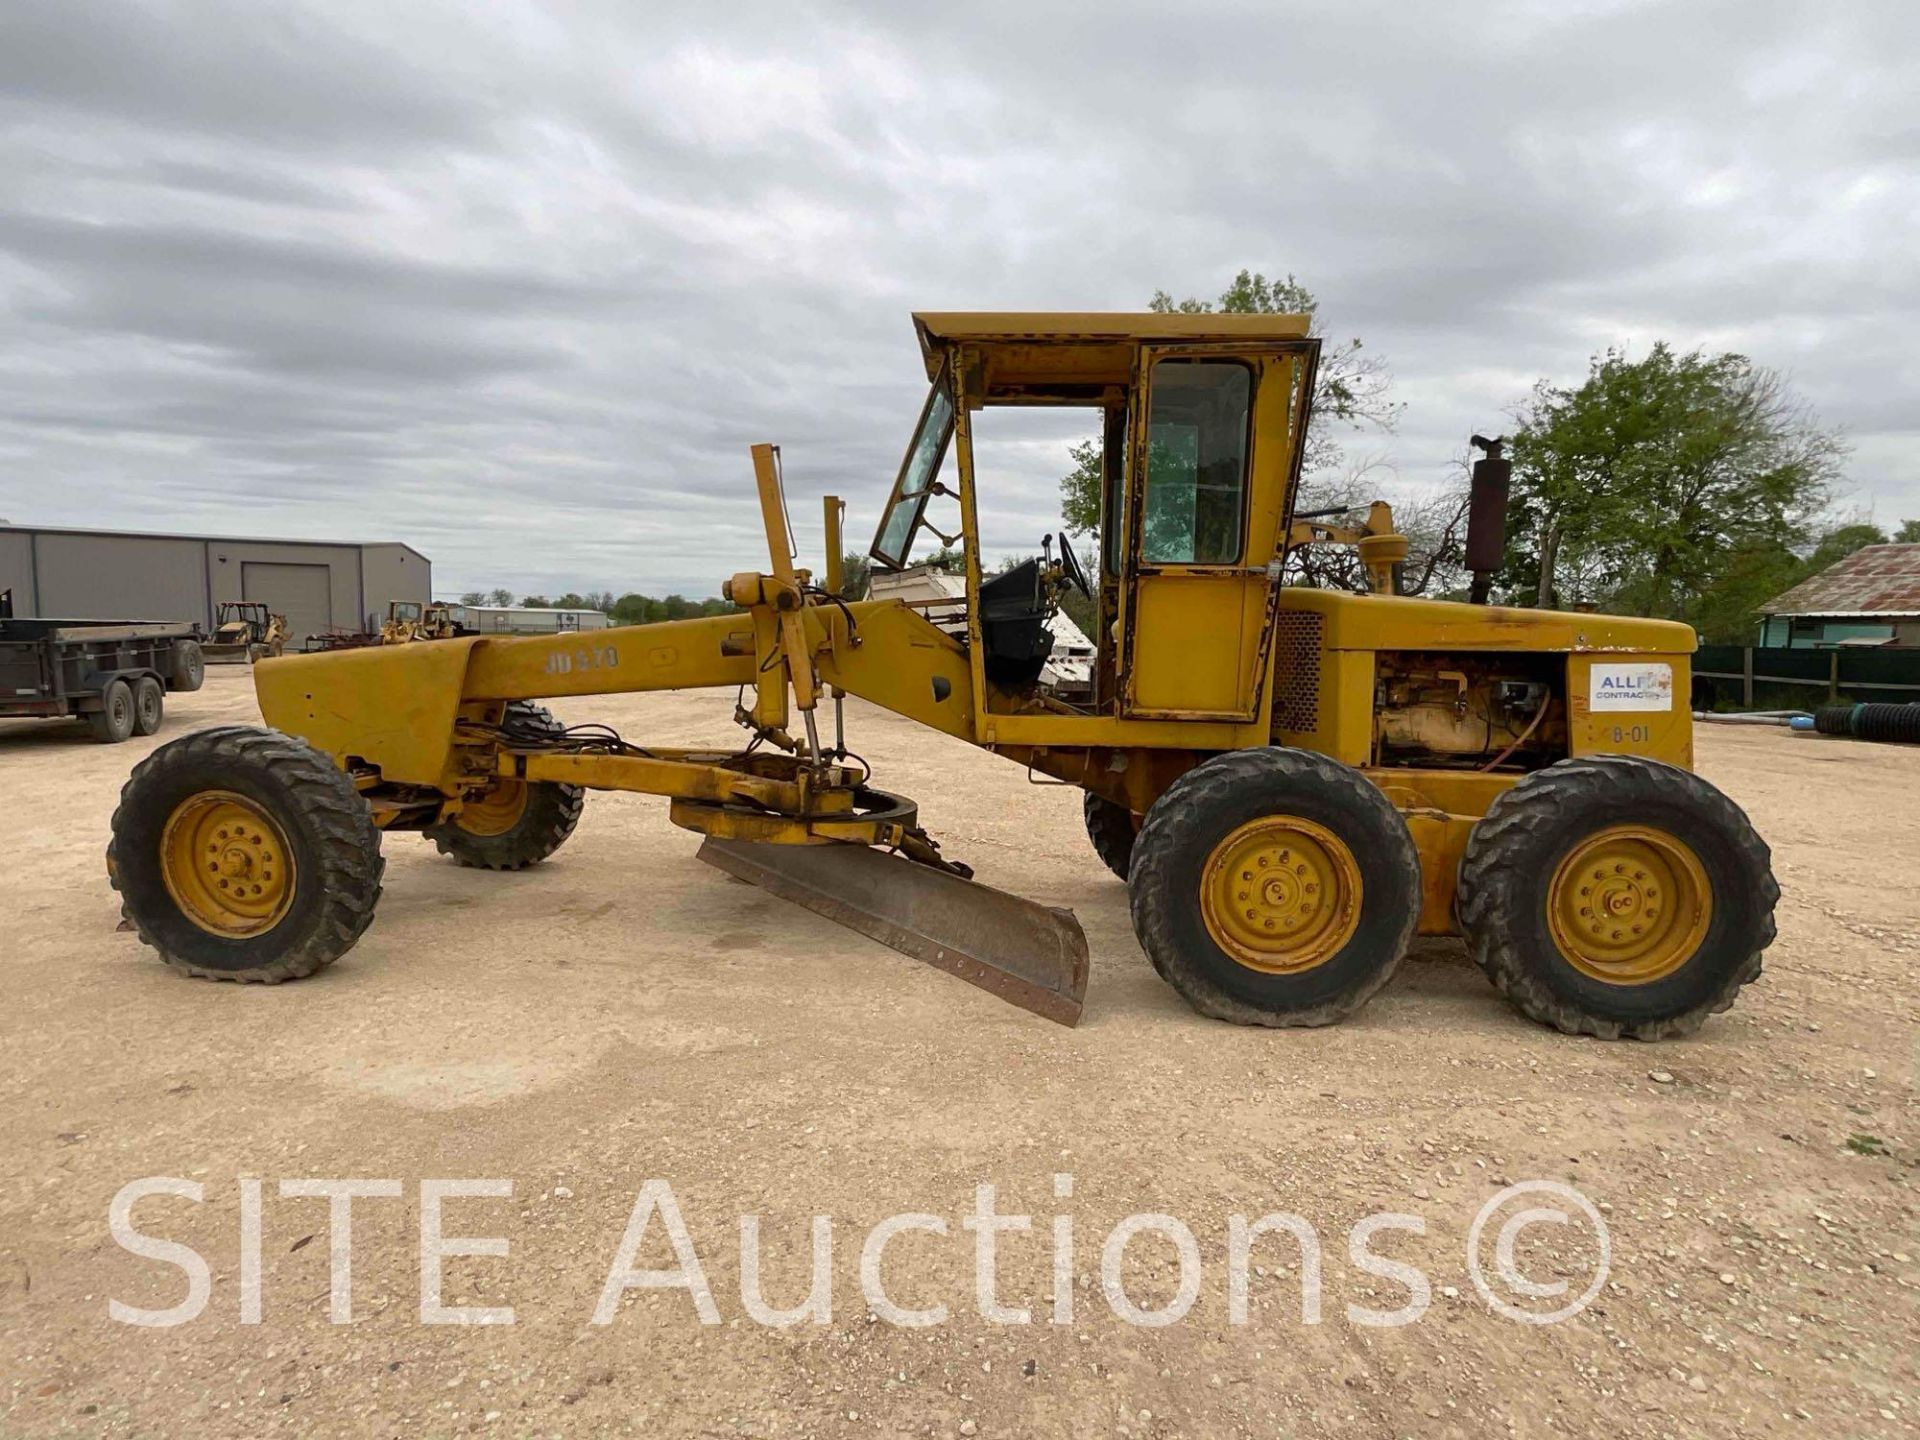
x,y
1487,515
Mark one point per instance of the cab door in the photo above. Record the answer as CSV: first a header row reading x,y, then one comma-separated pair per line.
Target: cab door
x,y
1212,458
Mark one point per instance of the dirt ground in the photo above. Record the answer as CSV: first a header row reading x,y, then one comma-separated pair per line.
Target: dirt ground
x,y
625,1014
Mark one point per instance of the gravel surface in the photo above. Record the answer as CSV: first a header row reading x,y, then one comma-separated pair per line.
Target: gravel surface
x,y
625,1014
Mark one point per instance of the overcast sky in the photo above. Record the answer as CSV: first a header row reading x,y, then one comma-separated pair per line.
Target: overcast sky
x,y
520,283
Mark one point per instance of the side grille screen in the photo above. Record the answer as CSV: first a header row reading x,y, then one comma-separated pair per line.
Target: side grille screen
x,y
1296,671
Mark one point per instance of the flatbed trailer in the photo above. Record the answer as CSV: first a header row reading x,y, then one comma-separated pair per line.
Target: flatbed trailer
x,y
112,673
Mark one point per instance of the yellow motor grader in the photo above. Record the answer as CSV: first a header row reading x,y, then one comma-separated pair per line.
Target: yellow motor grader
x,y
1292,782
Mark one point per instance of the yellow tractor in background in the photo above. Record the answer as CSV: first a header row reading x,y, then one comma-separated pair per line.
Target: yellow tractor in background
x,y
245,631
1292,782
410,620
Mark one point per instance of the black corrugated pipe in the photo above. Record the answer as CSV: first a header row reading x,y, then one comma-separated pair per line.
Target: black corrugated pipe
x,y
1834,719
1899,723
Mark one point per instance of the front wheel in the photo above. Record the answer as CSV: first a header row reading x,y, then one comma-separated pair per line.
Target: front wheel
x,y
1274,887
241,853
1611,895
515,823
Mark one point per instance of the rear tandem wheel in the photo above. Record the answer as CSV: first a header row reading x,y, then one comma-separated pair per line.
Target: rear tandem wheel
x,y
1611,895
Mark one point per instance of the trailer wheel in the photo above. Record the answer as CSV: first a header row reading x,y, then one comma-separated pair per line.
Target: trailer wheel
x,y
241,853
1611,895
189,666
516,823
149,705
1274,887
114,720
1110,828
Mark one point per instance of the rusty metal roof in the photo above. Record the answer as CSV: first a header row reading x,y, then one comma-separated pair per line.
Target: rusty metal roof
x,y
1874,580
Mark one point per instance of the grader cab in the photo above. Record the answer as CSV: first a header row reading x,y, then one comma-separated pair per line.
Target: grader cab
x,y
1292,782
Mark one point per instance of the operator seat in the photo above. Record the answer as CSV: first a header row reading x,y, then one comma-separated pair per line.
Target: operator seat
x,y
1013,626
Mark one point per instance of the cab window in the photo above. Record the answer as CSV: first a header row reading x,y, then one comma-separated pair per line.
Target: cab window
x,y
1197,424
893,542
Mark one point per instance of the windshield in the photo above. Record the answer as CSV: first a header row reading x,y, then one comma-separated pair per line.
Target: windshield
x,y
894,541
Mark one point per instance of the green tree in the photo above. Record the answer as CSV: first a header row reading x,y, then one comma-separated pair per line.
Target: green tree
x,y
499,597
473,597
1842,541
634,609
854,570
536,602
1080,490
1908,533
1656,480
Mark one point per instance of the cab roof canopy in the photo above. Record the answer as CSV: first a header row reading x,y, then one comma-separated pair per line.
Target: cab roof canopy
x,y
1069,358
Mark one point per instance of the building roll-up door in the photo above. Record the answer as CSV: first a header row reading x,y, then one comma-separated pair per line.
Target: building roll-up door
x,y
302,593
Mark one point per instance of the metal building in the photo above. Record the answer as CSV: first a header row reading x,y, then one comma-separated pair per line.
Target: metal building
x,y
128,575
525,619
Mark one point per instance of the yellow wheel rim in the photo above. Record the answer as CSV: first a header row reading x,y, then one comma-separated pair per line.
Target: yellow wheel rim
x,y
1281,894
227,864
1629,905
495,812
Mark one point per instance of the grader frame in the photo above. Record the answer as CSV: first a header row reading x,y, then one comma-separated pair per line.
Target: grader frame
x,y
1204,654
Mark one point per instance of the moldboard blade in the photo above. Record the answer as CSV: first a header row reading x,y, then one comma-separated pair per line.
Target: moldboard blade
x,y
1033,956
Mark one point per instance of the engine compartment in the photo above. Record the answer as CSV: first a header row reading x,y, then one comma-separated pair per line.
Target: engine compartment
x,y
1471,711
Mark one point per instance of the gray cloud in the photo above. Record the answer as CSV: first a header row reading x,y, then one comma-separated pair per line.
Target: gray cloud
x,y
521,285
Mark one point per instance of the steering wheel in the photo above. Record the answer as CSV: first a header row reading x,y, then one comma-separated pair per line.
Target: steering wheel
x,y
1070,567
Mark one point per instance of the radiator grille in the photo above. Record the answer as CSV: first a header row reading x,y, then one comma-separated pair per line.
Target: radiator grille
x,y
1296,671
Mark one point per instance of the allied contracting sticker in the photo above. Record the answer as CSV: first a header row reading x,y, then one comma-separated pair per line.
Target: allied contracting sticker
x,y
1630,687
